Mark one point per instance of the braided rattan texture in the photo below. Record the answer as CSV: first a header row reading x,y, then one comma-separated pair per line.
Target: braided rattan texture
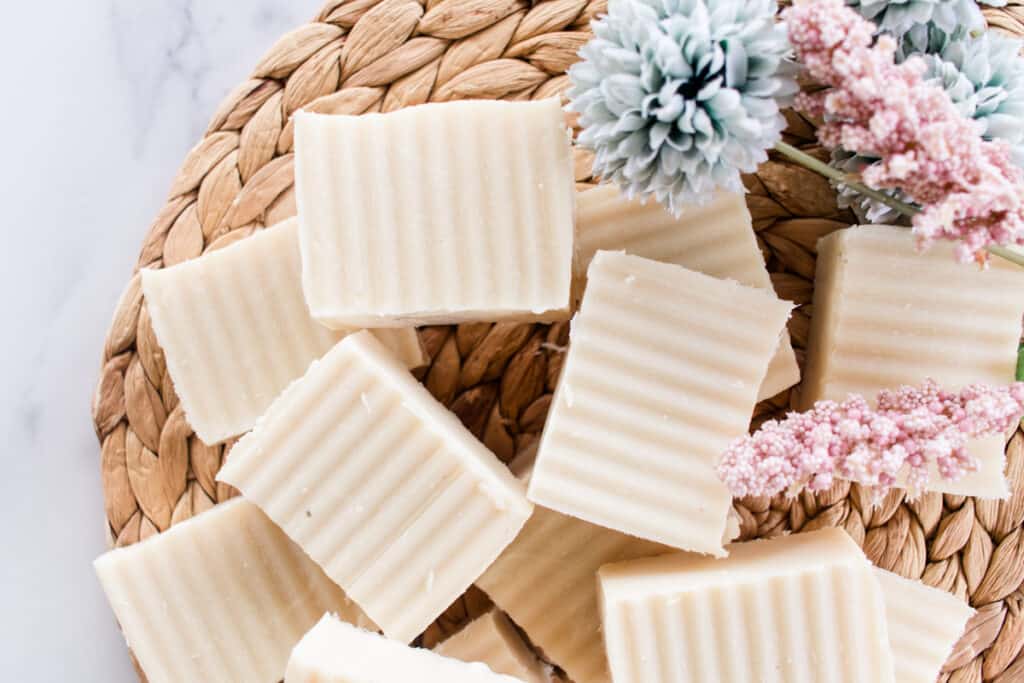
x,y
378,55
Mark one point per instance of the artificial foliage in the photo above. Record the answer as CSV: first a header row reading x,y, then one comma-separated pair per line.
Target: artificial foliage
x,y
967,189
983,76
911,21
679,97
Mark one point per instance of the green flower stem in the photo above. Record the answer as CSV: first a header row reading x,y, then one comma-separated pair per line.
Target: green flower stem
x,y
807,161
1007,254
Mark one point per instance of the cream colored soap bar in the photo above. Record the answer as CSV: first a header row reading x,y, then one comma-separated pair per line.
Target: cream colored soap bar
x,y
336,652
235,330
494,641
380,484
222,597
924,625
805,608
885,315
438,213
662,374
716,239
546,580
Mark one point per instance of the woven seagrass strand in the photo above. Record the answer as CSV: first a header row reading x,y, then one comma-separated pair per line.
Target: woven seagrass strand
x,y
378,55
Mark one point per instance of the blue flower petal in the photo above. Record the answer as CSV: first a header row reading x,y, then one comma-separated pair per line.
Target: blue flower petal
x,y
735,64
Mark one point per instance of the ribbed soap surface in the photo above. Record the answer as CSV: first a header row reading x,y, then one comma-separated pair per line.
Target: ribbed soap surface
x,y
924,625
662,374
805,608
380,484
716,239
437,213
235,330
220,598
546,580
492,640
336,652
886,315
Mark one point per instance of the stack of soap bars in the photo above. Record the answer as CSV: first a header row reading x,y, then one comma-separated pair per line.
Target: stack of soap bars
x,y
367,508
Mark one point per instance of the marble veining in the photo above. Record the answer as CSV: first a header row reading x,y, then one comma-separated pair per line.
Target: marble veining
x,y
102,101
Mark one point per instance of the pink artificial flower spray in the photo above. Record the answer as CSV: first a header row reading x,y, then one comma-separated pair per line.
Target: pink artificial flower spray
x,y
891,444
969,189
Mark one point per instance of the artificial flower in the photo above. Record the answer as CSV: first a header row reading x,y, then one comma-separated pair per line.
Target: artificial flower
x,y
968,188
895,443
678,97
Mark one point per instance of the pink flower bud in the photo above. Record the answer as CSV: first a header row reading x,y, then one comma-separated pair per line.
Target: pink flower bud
x,y
911,428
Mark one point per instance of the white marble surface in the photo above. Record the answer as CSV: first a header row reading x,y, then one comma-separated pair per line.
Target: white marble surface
x,y
102,99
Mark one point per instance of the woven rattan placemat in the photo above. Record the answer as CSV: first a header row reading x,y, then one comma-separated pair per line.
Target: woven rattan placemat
x,y
378,55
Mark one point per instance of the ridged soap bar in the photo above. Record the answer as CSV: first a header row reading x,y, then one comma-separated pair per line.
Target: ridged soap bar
x,y
924,625
380,484
235,330
492,640
222,597
716,239
336,652
805,608
438,213
662,374
546,580
886,315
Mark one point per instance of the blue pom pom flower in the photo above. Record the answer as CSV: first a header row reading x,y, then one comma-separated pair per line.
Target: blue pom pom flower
x,y
912,22
984,77
678,97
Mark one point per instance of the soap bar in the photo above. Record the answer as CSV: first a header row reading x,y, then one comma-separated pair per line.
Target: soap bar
x,y
336,652
494,641
223,596
235,330
546,580
924,625
886,315
380,484
661,375
439,213
796,609
716,238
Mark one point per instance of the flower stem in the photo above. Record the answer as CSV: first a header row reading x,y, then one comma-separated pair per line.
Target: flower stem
x,y
807,161
1007,254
